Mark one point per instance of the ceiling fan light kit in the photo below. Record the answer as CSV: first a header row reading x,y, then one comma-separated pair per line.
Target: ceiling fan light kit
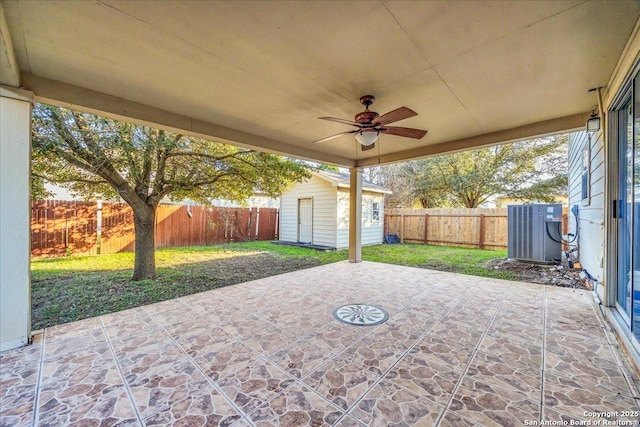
x,y
367,137
370,124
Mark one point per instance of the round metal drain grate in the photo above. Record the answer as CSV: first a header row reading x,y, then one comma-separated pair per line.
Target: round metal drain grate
x,y
361,314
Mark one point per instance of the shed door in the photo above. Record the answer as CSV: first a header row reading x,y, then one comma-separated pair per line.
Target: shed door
x,y
305,220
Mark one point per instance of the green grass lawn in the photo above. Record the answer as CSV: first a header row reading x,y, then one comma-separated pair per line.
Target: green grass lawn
x,y
77,287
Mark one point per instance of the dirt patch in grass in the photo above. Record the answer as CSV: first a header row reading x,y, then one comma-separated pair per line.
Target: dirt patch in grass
x,y
72,297
540,273
77,287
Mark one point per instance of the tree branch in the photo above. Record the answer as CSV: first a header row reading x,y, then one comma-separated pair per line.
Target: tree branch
x,y
126,132
86,133
61,181
112,177
183,186
210,156
67,136
144,179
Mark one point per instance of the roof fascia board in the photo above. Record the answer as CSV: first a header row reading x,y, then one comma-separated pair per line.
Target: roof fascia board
x,y
533,130
333,182
365,190
78,98
340,184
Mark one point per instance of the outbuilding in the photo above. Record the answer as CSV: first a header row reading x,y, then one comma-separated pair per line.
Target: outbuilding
x,y
316,212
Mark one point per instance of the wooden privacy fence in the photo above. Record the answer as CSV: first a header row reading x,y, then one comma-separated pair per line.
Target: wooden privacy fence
x,y
477,228
59,228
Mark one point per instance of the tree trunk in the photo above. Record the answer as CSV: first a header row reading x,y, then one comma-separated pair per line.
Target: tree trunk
x,y
470,202
145,255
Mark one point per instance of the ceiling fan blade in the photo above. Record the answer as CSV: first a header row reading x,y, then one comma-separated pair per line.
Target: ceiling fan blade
x,y
405,132
335,136
343,121
367,147
395,116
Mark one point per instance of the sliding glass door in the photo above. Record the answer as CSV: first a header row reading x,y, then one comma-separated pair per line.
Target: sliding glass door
x,y
623,208
635,245
626,209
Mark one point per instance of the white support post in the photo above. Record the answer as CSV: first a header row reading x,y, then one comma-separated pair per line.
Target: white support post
x,y
355,215
15,217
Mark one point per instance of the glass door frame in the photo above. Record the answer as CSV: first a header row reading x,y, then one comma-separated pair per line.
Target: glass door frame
x,y
621,202
612,196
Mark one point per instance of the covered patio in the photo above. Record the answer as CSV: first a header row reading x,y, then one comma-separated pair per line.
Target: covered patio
x,y
455,351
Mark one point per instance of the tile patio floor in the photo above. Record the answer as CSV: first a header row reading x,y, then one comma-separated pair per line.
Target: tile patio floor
x,y
456,351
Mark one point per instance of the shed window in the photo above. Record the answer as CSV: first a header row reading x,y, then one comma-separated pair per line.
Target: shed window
x,y
375,211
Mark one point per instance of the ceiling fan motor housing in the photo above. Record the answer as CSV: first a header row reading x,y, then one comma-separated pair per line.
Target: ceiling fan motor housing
x,y
366,117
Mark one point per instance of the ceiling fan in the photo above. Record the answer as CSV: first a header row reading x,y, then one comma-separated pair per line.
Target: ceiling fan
x,y
370,124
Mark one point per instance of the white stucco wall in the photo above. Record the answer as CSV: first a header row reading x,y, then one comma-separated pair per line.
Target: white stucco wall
x,y
591,212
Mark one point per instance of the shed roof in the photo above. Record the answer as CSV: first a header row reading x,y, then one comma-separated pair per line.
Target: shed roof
x,y
341,179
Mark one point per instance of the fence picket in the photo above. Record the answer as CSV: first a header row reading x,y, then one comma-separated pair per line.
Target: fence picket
x,y
62,227
479,228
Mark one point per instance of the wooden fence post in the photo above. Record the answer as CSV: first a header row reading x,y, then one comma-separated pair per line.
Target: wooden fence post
x,y
402,228
99,226
249,227
481,237
385,227
426,222
257,222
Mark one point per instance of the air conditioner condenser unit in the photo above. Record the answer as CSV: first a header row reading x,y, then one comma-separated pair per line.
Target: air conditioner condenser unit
x,y
532,232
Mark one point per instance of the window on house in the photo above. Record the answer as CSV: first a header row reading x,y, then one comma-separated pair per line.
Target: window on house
x,y
375,212
586,173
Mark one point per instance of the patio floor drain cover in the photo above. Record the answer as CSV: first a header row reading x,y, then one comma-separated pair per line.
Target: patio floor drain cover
x,y
361,314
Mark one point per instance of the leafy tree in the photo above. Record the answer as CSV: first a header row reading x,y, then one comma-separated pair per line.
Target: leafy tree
x,y
543,191
92,155
38,188
426,186
392,177
324,167
527,170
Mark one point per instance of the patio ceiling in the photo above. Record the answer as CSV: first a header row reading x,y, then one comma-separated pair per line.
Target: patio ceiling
x,y
258,74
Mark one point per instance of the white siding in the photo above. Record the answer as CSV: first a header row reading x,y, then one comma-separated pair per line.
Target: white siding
x,y
591,214
371,231
323,195
343,219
